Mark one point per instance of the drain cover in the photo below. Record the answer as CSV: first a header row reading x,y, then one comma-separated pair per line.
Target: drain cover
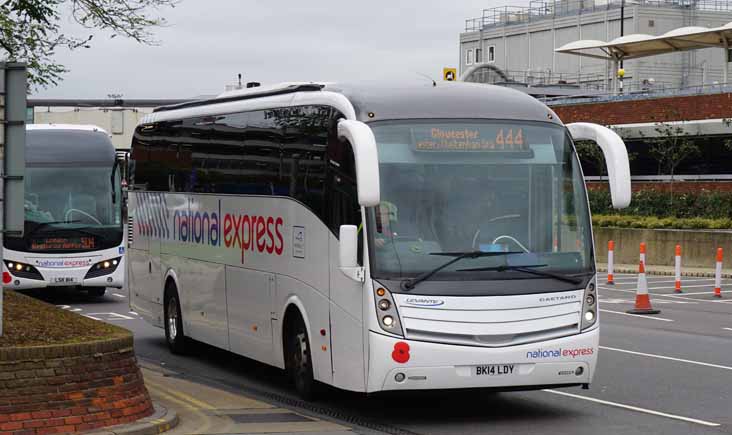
x,y
278,417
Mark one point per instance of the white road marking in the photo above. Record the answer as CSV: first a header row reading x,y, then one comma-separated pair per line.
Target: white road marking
x,y
657,301
678,296
711,291
110,316
119,295
652,355
635,408
68,308
637,315
682,287
653,281
728,329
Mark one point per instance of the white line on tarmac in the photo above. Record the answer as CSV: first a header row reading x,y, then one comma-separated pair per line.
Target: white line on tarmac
x,y
652,355
636,315
635,408
728,329
710,280
704,293
680,295
119,295
682,287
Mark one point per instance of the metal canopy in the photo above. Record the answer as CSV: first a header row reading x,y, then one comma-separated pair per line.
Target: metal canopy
x,y
640,45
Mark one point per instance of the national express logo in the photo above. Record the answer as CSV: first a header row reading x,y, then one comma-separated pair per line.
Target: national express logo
x,y
243,232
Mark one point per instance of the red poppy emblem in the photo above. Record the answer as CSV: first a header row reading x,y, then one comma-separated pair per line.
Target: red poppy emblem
x,y
401,352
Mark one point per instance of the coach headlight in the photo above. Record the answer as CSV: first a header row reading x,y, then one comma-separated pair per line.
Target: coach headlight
x,y
589,304
22,270
386,311
103,268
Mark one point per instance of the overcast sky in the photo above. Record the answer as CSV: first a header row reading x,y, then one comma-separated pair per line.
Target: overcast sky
x,y
208,42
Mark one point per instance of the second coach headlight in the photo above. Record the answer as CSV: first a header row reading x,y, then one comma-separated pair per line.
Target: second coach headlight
x,y
103,268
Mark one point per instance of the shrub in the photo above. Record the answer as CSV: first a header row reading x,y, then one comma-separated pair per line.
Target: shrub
x,y
702,204
652,222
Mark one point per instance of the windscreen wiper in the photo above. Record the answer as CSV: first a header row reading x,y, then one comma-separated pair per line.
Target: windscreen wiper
x,y
529,268
409,284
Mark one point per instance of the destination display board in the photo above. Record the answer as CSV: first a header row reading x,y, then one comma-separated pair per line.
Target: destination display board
x,y
62,243
483,138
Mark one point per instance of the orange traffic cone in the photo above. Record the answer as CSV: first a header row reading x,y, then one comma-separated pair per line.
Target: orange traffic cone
x,y
642,299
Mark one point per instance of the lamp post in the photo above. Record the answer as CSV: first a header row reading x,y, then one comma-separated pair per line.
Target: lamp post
x,y
621,71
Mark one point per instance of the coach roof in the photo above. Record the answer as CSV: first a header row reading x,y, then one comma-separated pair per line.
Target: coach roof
x,y
443,100
411,100
62,144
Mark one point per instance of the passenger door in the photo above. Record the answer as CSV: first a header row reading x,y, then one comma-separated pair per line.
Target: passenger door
x,y
346,308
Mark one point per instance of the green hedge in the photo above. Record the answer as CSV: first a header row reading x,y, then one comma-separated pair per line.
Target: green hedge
x,y
652,222
703,204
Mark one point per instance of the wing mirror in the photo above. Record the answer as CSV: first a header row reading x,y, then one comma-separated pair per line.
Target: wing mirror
x,y
616,158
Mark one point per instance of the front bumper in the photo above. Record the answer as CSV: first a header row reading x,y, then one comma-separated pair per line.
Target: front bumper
x,y
63,277
564,361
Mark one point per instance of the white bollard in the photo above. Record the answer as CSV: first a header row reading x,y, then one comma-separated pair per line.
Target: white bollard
x,y
718,275
678,269
610,262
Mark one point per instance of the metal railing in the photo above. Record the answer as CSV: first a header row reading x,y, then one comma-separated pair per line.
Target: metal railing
x,y
539,10
633,93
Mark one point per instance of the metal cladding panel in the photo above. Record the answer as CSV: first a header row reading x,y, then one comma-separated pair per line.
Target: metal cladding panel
x,y
445,100
517,47
542,50
13,141
566,63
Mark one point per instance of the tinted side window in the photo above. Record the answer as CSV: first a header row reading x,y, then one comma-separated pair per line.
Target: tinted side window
x,y
304,150
139,158
180,145
152,157
342,193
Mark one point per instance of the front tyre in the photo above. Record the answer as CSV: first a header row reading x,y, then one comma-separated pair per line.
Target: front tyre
x,y
299,362
96,292
174,322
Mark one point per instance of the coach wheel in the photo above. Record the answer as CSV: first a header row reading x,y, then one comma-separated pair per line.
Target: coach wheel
x,y
299,362
96,292
174,322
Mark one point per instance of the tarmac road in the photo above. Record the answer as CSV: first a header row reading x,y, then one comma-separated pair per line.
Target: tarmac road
x,y
664,374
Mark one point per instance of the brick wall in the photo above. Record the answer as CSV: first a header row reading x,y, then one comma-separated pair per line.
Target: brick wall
x,y
649,110
71,388
678,186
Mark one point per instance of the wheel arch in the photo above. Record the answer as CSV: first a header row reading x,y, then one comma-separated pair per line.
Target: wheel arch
x,y
291,310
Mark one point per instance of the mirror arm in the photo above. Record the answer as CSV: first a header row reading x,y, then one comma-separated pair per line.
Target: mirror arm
x,y
357,274
616,158
363,143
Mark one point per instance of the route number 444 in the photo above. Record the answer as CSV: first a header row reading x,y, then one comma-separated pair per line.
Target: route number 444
x,y
510,139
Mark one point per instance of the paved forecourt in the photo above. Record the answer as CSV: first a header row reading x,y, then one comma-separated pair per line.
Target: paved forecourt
x,y
665,374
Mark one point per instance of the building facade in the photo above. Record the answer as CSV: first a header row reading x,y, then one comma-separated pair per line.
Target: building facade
x,y
520,41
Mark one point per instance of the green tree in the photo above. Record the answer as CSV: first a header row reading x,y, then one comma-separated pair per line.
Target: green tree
x,y
727,142
591,155
671,146
30,30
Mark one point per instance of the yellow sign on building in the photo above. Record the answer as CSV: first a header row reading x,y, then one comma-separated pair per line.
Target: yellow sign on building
x,y
449,74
